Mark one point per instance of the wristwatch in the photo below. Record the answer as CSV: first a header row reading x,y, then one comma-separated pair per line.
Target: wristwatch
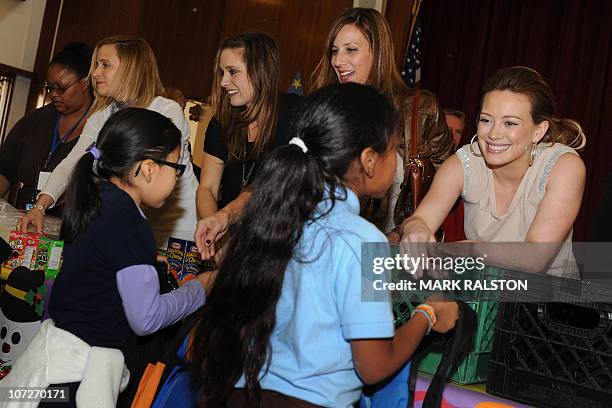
x,y
40,207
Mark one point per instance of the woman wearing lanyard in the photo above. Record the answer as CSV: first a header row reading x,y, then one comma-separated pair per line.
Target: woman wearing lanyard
x,y
41,139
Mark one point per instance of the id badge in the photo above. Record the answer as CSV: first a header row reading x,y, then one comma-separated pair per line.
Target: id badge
x,y
43,177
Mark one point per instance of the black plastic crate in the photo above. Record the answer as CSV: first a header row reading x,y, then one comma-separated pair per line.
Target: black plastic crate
x,y
556,354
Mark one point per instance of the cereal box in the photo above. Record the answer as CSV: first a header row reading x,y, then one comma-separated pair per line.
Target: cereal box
x,y
48,256
24,245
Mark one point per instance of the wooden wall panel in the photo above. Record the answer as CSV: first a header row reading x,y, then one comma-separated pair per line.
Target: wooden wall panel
x,y
90,21
185,36
300,29
43,53
397,13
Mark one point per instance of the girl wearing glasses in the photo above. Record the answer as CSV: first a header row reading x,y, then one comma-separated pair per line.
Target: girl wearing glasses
x,y
124,74
108,287
44,137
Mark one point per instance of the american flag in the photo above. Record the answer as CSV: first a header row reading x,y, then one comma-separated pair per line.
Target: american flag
x,y
412,64
296,85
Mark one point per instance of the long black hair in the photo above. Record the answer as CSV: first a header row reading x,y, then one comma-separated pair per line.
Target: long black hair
x,y
127,137
336,123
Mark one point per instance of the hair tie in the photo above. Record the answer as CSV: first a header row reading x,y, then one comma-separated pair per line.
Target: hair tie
x,y
299,143
94,151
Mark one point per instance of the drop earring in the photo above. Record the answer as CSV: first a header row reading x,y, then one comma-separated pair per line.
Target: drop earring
x,y
472,148
532,154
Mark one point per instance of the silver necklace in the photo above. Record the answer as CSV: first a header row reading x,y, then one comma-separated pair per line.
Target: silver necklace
x,y
245,180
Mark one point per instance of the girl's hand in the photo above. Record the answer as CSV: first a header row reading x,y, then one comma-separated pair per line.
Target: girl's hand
x,y
207,280
209,231
447,313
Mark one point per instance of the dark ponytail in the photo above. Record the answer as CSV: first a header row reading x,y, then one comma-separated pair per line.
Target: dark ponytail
x,y
128,137
336,124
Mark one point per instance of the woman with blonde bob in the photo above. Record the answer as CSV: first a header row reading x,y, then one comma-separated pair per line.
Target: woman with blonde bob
x,y
250,119
359,48
124,74
520,178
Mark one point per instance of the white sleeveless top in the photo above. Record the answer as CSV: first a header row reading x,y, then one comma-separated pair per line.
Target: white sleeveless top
x,y
483,223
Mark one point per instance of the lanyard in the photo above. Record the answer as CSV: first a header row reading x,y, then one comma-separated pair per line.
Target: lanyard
x,y
57,140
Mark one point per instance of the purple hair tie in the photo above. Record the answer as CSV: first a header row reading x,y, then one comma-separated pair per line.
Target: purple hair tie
x,y
94,151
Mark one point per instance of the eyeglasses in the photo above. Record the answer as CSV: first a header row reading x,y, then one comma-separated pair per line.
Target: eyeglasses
x,y
180,168
59,89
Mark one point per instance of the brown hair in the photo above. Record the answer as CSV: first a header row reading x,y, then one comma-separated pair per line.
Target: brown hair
x,y
136,82
530,83
384,75
260,55
456,113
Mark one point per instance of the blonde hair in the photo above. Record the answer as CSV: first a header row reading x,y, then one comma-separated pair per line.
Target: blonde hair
x,y
260,55
384,75
136,82
529,82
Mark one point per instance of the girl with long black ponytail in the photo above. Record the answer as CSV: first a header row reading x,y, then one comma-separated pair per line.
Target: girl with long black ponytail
x,y
108,288
285,318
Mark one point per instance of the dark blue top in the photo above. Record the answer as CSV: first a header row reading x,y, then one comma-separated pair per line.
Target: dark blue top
x,y
85,300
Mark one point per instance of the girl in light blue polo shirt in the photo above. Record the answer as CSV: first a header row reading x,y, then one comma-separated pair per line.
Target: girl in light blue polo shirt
x,y
285,323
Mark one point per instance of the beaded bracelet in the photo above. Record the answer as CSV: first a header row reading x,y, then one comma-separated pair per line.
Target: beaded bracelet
x,y
428,312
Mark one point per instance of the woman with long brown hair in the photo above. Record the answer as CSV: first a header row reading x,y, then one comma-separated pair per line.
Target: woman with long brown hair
x,y
359,48
250,118
520,178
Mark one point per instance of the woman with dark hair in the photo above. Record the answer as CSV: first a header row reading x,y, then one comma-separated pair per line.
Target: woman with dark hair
x,y
520,177
44,137
108,288
359,48
250,119
285,322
